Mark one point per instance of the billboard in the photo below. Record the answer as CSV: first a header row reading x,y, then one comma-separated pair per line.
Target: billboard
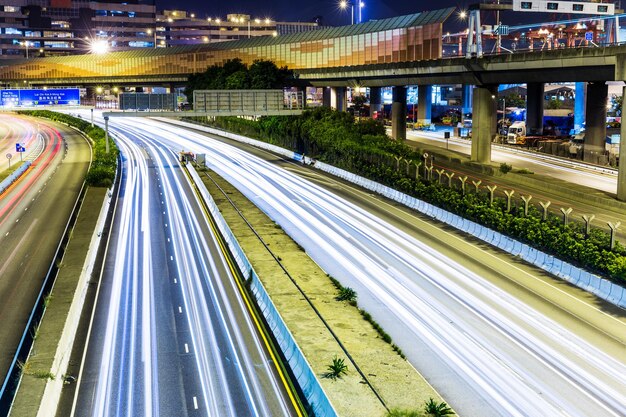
x,y
36,97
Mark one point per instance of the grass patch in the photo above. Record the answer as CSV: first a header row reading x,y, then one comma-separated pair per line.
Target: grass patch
x,y
336,369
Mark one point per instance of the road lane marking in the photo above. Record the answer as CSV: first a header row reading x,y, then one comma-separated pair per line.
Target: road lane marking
x,y
195,403
180,309
186,348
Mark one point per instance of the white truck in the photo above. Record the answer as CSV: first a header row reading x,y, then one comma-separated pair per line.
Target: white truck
x,y
516,134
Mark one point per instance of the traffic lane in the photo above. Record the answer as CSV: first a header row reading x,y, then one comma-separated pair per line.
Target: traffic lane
x,y
30,233
259,388
389,211
15,129
561,170
385,276
195,401
20,190
121,295
269,209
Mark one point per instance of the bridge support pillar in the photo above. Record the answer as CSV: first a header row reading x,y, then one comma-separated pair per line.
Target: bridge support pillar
x,y
339,98
621,172
326,96
376,100
484,100
424,103
398,113
579,106
595,127
534,108
466,99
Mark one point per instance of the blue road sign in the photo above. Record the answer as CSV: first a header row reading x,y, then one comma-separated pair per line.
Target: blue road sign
x,y
588,36
19,148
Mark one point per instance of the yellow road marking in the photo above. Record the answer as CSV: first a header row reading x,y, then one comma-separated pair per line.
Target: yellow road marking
x,y
253,313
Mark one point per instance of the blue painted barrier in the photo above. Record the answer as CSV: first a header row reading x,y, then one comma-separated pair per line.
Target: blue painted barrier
x,y
304,375
6,183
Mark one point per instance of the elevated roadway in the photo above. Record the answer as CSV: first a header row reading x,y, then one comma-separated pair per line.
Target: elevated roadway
x,y
33,216
495,336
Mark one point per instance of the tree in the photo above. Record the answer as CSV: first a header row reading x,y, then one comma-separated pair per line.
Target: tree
x,y
235,75
265,75
237,81
514,100
554,104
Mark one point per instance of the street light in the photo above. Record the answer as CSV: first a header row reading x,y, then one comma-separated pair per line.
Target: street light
x,y
153,32
361,6
343,5
99,46
26,44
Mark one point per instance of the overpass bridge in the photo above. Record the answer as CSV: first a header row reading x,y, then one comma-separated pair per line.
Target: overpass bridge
x,y
400,51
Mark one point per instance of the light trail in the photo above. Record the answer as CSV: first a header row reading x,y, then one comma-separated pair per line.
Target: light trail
x,y
170,284
519,361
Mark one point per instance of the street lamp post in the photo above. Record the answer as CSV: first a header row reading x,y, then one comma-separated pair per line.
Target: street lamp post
x,y
344,5
361,6
26,44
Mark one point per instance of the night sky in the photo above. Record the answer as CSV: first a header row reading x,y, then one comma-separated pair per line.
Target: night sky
x,y
305,10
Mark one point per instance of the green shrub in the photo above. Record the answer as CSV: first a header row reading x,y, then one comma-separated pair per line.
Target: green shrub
x,y
346,294
337,139
103,164
336,369
505,168
435,409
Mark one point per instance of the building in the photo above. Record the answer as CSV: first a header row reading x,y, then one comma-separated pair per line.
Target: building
x,y
177,27
61,27
39,28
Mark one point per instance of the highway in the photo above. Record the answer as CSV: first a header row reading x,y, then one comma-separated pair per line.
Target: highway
x,y
171,334
539,163
493,335
18,130
33,214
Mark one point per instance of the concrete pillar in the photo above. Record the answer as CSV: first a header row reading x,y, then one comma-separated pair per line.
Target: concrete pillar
x,y
424,103
483,122
326,97
466,99
595,126
621,172
579,106
534,108
339,98
398,113
376,100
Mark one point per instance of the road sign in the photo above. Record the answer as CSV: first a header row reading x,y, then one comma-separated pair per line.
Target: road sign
x,y
9,156
19,148
588,36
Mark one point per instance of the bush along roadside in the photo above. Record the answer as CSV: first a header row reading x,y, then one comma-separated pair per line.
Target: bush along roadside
x,y
104,165
363,148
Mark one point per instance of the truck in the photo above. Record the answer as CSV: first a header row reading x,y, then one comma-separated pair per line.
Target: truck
x,y
516,134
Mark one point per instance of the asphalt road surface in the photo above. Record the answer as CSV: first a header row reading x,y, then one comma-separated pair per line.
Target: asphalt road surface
x,y
33,216
493,335
170,335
